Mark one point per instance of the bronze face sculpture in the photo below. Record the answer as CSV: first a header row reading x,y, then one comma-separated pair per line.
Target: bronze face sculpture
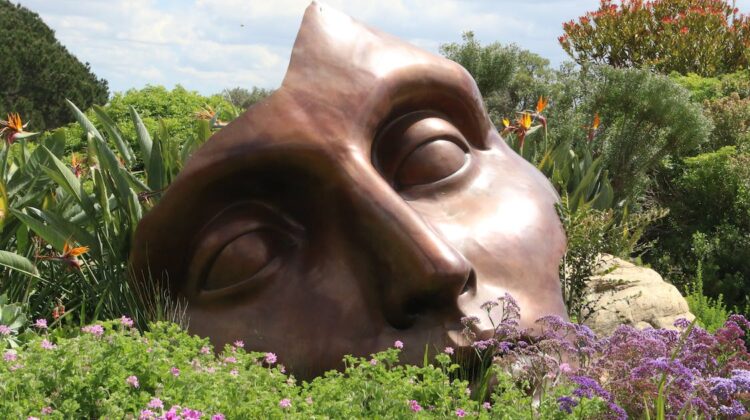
x,y
368,200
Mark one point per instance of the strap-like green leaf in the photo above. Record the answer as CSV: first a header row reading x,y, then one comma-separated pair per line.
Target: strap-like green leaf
x,y
49,233
144,139
18,263
115,134
64,177
84,121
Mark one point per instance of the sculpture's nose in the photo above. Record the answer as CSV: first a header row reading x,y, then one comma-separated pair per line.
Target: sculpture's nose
x,y
416,271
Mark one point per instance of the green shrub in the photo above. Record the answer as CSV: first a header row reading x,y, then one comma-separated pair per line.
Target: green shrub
x,y
172,113
645,118
706,37
700,88
510,78
113,371
711,313
243,99
709,221
731,118
37,73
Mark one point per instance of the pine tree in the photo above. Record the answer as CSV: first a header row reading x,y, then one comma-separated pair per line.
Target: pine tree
x,y
37,72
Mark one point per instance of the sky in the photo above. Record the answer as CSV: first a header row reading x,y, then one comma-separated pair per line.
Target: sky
x,y
212,45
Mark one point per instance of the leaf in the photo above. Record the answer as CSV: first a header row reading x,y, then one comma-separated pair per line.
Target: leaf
x,y
144,139
64,177
49,233
114,132
102,194
18,263
83,120
155,168
3,205
111,167
71,231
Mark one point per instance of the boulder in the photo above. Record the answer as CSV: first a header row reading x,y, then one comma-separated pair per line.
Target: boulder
x,y
624,293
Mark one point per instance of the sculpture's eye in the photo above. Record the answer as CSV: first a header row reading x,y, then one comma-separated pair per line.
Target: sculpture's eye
x,y
244,259
419,149
430,162
240,250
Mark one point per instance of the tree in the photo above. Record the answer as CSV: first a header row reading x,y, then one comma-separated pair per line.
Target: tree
x,y
243,99
510,79
706,37
38,73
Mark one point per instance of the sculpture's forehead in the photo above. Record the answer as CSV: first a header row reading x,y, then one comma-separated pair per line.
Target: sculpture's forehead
x,y
345,82
334,53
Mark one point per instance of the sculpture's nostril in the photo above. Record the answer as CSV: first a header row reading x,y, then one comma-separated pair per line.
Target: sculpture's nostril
x,y
471,283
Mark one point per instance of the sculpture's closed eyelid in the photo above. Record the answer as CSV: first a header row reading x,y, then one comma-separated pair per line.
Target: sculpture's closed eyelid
x,y
239,250
420,148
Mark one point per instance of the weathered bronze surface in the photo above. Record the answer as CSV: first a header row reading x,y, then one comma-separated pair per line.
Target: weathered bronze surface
x,y
368,200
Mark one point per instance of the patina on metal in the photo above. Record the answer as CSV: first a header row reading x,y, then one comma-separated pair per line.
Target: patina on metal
x,y
369,199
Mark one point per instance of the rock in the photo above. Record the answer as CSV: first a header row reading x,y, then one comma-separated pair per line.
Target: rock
x,y
627,294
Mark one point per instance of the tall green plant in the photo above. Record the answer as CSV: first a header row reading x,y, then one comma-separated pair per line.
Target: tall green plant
x,y
68,229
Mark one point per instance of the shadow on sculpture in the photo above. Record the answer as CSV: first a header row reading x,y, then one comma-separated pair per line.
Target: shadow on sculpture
x,y
368,200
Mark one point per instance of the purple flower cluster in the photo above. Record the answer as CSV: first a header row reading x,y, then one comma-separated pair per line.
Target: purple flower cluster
x,y
705,374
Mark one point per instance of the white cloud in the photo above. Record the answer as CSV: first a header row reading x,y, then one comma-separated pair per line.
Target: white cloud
x,y
209,45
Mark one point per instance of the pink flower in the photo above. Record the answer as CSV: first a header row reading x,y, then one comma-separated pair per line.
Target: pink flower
x,y
218,416
175,371
460,412
239,344
47,345
487,405
414,406
285,403
10,356
205,350
398,344
47,410
126,322
448,350
373,362
282,369
171,414
191,414
270,358
146,414
132,381
565,368
15,367
234,372
41,323
155,403
32,418
96,330
5,330
231,359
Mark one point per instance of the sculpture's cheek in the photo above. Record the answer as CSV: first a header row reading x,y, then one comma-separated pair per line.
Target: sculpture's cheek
x,y
510,234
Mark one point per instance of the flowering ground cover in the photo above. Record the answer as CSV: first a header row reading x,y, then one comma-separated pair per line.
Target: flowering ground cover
x,y
113,370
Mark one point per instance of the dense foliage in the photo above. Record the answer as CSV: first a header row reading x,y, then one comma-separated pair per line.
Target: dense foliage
x,y
709,222
243,98
110,369
38,73
510,78
67,221
706,37
171,113
645,117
